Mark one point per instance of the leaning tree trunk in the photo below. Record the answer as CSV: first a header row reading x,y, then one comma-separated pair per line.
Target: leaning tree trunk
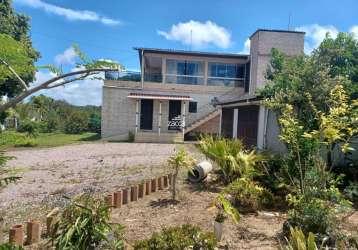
x,y
175,175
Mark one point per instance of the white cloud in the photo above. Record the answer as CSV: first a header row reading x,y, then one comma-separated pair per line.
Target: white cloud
x,y
315,34
354,31
70,14
66,58
246,49
85,92
199,34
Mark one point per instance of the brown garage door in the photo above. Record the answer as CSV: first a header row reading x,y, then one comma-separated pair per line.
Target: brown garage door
x,y
247,124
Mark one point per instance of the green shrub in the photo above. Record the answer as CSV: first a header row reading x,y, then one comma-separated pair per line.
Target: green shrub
x,y
31,128
8,246
14,139
249,195
298,241
131,136
94,124
178,238
85,224
76,123
228,155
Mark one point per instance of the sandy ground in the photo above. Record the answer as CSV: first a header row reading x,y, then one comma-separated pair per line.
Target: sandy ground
x,y
48,174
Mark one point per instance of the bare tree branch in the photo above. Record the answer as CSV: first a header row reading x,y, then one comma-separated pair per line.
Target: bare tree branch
x,y
47,85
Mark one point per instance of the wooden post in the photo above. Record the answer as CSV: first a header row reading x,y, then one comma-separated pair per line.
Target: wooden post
x,y
33,232
141,190
16,235
109,200
125,198
160,183
134,193
165,181
154,185
117,199
148,188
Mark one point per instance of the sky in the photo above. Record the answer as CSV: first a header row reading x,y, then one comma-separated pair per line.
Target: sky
x,y
109,29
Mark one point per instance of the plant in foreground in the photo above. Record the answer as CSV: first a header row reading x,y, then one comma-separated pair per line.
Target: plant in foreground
x,y
177,238
177,161
84,224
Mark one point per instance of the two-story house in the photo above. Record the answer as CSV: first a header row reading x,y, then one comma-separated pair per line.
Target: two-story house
x,y
182,92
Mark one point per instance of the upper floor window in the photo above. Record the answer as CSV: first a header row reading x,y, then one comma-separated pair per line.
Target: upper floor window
x,y
185,72
152,69
226,74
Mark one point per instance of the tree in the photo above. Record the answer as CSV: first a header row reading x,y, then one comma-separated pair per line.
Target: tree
x,y
76,123
340,56
86,69
177,161
16,26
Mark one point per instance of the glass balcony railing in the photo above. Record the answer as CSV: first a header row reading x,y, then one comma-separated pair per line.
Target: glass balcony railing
x,y
132,76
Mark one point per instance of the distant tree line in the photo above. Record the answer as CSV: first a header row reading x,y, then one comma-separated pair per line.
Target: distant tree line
x,y
45,114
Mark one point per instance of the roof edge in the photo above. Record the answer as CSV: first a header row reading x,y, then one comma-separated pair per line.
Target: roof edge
x,y
277,30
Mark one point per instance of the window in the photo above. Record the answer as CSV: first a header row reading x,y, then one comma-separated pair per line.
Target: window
x,y
152,69
185,72
193,107
226,74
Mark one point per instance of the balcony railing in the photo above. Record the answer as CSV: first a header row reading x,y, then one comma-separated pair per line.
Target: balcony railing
x,y
132,76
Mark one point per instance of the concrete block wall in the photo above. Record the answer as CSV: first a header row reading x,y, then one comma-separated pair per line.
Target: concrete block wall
x,y
118,111
262,41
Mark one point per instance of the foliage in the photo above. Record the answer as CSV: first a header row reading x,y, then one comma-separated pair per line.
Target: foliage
x,y
76,123
14,139
225,207
16,48
249,195
131,136
339,56
351,192
31,128
94,124
177,238
5,180
222,151
179,160
317,209
84,224
298,241
8,246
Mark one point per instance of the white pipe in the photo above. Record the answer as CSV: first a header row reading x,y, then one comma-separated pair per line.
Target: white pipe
x,y
200,171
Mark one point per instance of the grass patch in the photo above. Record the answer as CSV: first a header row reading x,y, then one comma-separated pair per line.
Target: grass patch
x,y
10,139
59,139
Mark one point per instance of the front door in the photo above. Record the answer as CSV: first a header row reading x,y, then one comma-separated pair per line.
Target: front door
x,y
174,119
146,114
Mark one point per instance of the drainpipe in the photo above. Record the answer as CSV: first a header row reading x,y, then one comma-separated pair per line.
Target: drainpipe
x,y
142,69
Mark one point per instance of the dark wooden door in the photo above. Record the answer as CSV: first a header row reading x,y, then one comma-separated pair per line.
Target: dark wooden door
x,y
146,114
227,121
247,125
174,115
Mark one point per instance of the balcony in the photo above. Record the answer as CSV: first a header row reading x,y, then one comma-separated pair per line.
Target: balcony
x,y
132,76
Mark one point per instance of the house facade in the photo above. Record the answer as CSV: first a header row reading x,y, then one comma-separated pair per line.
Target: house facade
x,y
178,93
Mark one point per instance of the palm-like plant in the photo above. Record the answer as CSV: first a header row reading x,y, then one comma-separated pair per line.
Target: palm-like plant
x,y
85,225
177,161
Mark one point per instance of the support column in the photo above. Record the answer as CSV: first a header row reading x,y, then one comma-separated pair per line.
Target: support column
x,y
261,128
183,119
234,123
136,115
160,117
220,121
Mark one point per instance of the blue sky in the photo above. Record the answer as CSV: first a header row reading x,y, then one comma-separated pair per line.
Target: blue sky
x,y
111,28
